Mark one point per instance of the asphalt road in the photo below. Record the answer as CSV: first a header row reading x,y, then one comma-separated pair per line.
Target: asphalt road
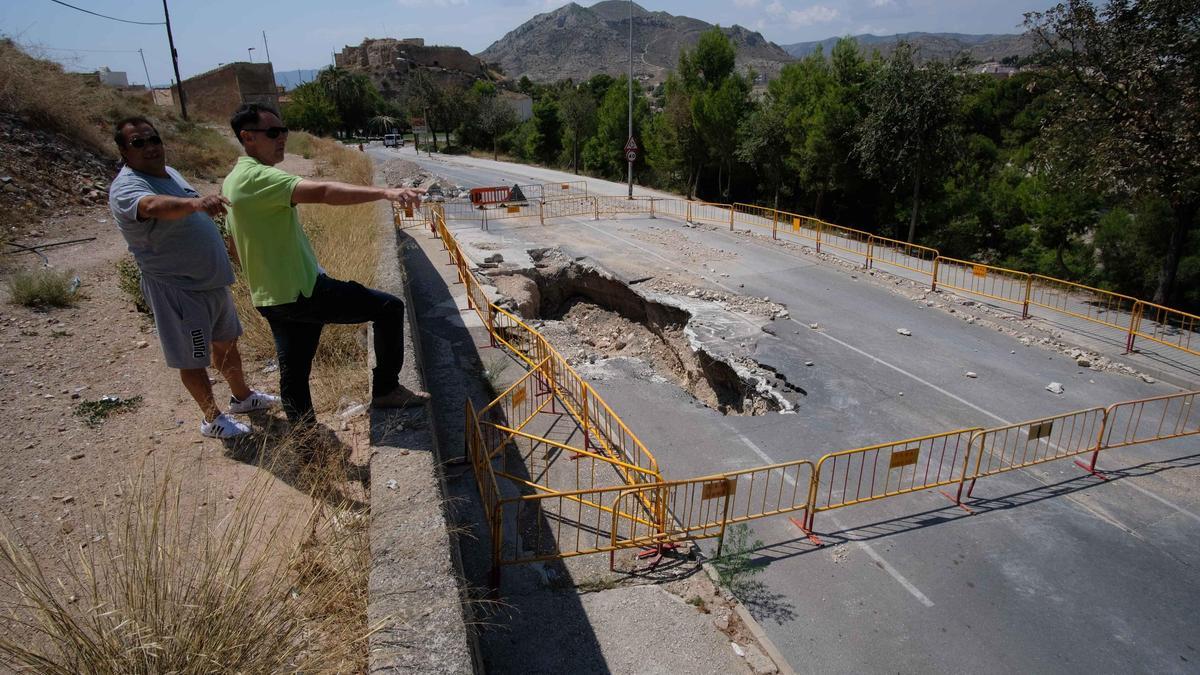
x,y
1055,571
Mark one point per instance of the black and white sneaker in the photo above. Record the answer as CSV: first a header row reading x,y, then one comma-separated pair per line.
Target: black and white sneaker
x,y
253,403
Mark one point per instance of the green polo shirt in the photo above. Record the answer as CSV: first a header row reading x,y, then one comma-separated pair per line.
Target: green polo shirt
x,y
276,257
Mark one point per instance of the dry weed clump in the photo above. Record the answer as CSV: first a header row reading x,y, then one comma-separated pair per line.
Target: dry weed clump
x,y
169,587
346,241
78,107
42,288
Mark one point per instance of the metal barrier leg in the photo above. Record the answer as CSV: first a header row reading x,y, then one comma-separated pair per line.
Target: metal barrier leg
x,y
816,541
1090,466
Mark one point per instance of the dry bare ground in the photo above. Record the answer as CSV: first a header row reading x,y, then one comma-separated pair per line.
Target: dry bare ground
x,y
143,487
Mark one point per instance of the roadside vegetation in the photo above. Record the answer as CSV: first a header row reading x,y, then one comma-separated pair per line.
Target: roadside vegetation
x,y
42,288
171,586
1082,166
77,106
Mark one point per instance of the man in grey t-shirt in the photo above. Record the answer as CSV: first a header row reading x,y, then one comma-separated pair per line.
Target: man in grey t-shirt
x,y
186,273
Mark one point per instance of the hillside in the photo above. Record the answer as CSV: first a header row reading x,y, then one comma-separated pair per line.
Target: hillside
x,y
577,42
941,46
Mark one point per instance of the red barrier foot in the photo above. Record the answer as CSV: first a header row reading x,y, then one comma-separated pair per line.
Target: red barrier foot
x,y
655,554
1089,469
816,541
957,503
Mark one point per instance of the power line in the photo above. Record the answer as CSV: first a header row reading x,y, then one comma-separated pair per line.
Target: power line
x,y
110,18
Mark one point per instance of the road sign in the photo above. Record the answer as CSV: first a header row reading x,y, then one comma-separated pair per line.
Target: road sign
x,y
631,146
631,155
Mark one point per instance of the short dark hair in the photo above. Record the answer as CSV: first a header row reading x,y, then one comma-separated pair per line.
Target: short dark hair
x,y
246,115
119,128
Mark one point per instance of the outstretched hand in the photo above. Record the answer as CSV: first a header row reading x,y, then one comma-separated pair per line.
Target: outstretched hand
x,y
407,197
213,205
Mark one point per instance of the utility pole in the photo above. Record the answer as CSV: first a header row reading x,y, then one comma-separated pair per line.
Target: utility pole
x,y
266,46
630,95
175,63
250,53
148,84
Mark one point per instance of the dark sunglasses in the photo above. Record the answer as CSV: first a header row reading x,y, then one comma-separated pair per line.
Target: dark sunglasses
x,y
272,132
141,142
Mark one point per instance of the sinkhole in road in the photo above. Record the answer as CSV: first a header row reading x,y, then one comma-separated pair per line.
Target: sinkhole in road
x,y
588,314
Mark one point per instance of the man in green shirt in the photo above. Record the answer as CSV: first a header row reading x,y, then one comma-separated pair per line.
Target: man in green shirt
x,y
287,285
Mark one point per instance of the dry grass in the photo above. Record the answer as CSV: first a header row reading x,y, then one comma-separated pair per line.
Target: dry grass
x,y
83,110
346,241
42,287
170,587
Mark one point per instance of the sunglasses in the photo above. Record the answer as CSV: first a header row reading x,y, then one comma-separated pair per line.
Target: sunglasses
x,y
142,142
272,132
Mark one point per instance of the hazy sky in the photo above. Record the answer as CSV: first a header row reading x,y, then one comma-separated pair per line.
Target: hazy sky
x,y
304,33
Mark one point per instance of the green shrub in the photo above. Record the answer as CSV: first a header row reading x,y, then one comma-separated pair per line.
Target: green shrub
x,y
42,287
129,280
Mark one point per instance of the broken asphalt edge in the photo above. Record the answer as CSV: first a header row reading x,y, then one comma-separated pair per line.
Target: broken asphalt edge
x,y
417,603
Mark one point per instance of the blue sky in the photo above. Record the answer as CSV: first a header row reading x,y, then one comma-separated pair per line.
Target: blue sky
x,y
304,33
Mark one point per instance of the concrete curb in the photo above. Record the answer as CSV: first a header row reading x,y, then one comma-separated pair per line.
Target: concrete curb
x,y
415,597
751,624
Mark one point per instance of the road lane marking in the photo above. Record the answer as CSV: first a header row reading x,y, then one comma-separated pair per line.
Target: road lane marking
x,y
883,564
898,369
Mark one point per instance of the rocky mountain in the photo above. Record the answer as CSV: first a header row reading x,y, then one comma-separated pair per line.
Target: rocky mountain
x,y
941,46
578,42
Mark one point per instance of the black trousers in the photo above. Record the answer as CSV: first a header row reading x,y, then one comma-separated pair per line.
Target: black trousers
x,y
297,326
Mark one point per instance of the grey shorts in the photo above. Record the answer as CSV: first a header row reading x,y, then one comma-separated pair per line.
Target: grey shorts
x,y
189,322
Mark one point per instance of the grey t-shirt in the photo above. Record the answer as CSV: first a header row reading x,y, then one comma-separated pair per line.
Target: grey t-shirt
x,y
188,253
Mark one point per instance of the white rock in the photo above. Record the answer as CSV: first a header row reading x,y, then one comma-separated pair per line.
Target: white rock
x,y
737,649
1055,388
392,484
808,363
814,326
1147,379
971,374
353,411
904,331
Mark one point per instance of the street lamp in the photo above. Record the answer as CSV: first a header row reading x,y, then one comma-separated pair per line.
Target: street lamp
x,y
250,53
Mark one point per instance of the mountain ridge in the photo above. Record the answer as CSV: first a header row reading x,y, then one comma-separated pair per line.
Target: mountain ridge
x,y
577,42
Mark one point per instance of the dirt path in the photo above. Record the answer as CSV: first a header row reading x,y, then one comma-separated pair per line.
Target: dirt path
x,y
57,474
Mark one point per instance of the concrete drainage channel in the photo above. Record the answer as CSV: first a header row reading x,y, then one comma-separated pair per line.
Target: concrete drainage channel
x,y
589,314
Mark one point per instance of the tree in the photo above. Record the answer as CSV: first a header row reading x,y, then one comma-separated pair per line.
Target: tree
x,y
604,152
495,117
353,94
909,134
578,111
425,96
763,143
311,110
1126,84
545,143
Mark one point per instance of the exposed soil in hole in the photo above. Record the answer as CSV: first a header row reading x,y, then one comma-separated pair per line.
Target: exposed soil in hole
x,y
588,316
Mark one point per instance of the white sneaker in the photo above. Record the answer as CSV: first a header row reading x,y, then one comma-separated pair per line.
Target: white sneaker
x,y
223,427
254,402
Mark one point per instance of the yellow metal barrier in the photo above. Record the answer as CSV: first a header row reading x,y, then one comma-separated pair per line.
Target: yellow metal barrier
x,y
1151,419
1082,302
846,239
757,216
704,212
889,469
1016,446
995,283
1166,326
903,255
612,206
568,206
